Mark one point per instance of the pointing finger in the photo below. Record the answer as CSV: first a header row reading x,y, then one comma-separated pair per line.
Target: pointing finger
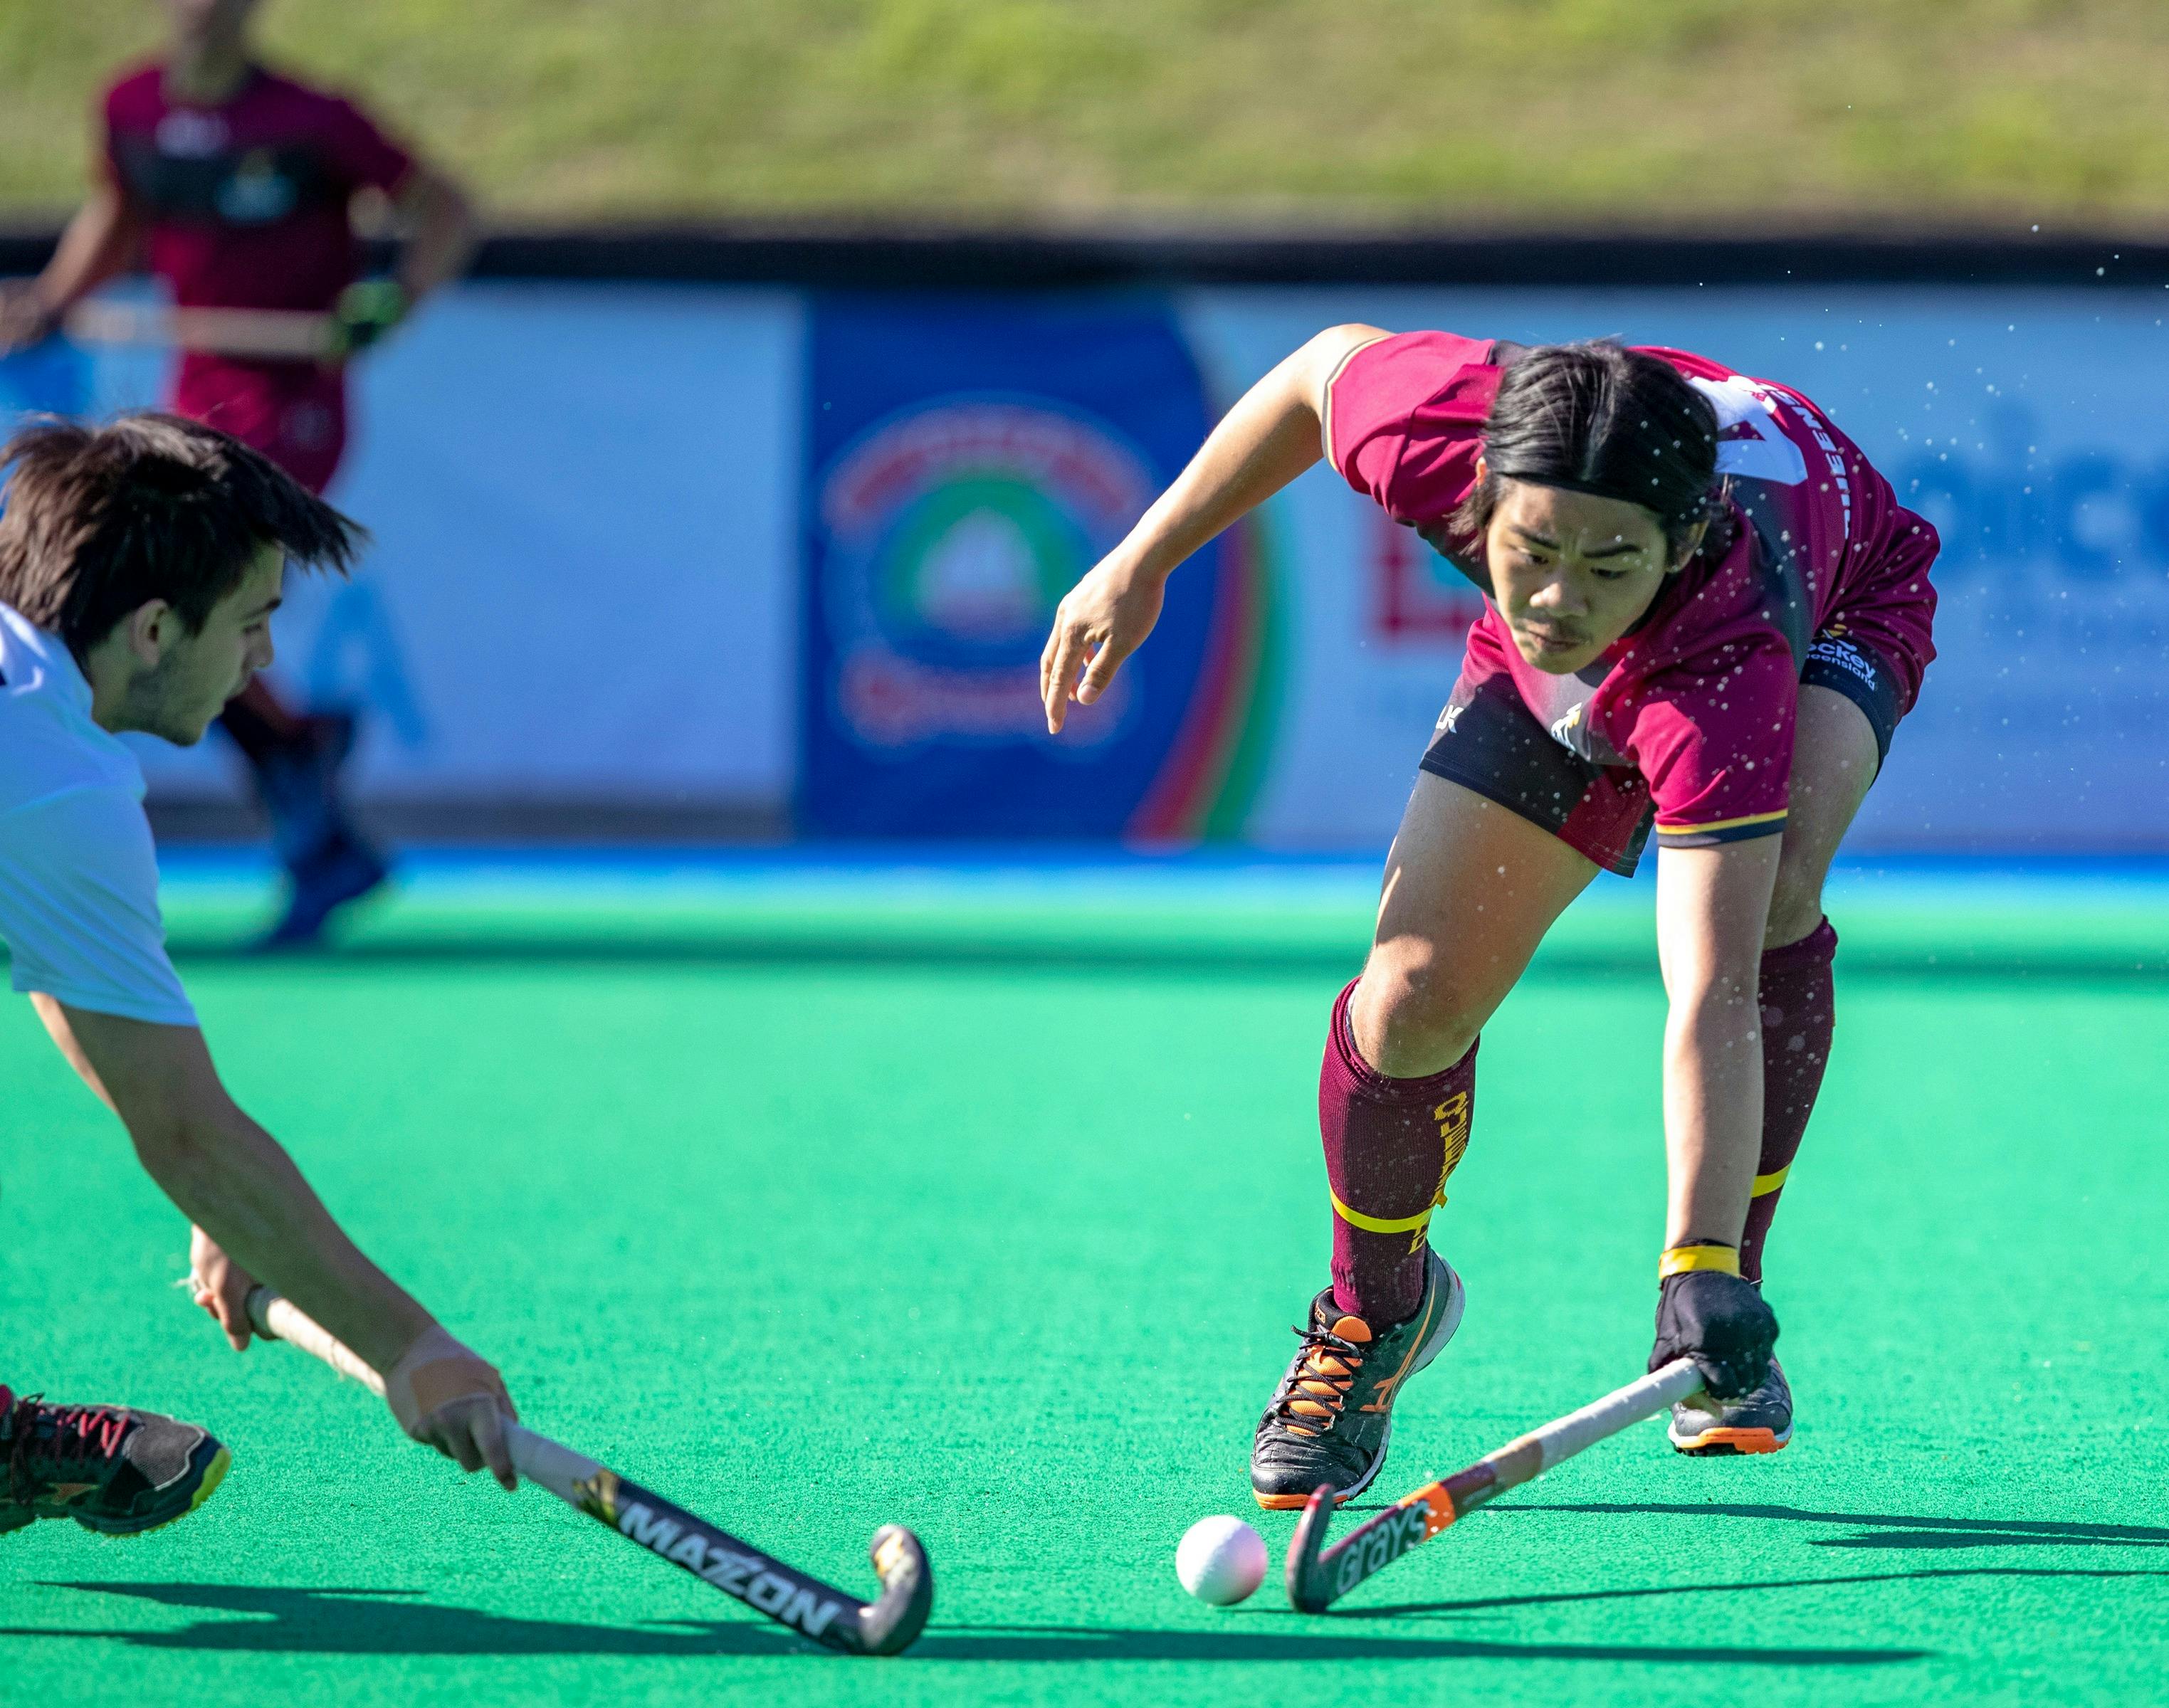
x,y
496,1449
1067,659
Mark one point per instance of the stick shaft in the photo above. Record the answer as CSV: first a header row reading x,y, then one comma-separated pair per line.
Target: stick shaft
x,y
1317,1578
268,334
768,1585
281,1319
1535,1453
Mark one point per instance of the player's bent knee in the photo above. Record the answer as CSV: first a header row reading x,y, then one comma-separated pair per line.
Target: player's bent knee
x,y
1411,1018
1794,912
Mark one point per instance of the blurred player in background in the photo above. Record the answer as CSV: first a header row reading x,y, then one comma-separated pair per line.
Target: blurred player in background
x,y
140,564
1705,612
236,186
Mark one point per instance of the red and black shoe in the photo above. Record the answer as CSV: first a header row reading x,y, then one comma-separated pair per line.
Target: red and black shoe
x,y
110,1468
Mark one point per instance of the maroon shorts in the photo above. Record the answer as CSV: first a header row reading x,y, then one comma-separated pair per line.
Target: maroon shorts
x,y
1875,649
294,412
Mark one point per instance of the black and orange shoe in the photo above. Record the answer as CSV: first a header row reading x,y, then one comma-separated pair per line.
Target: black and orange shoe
x,y
110,1468
1760,1420
1331,1419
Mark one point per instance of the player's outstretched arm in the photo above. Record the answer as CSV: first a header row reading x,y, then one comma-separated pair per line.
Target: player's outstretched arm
x,y
258,1219
1270,436
1712,905
441,231
99,244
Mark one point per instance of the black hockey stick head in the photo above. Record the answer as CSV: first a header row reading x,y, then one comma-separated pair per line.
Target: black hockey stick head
x,y
892,1622
1318,1576
1307,1588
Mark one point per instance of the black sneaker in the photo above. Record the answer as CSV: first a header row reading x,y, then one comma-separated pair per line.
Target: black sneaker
x,y
344,869
110,1468
1334,1413
1757,1422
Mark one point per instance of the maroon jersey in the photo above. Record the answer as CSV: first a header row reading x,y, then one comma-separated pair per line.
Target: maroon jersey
x,y
245,204
1699,699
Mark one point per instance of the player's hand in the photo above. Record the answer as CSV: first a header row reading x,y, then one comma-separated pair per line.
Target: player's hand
x,y
449,1398
1099,622
220,1286
26,319
1721,1322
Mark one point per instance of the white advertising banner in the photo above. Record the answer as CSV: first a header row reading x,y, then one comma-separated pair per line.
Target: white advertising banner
x,y
2026,425
581,589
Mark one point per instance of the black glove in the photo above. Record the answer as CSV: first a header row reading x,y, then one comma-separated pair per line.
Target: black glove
x,y
1719,1321
366,311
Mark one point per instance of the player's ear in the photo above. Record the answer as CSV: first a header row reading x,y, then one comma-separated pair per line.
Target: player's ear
x,y
1688,547
151,629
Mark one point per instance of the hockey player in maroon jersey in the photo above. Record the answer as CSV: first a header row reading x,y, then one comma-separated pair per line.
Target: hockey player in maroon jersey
x,y
1705,615
236,186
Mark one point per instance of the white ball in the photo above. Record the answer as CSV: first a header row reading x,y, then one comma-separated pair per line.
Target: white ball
x,y
1221,1561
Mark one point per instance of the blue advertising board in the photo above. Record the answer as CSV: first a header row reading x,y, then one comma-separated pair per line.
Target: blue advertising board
x,y
968,460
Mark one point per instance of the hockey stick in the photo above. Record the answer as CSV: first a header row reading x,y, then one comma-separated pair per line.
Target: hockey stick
x,y
263,334
884,1626
1317,1579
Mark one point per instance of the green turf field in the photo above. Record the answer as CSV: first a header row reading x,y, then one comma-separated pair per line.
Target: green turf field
x,y
984,1206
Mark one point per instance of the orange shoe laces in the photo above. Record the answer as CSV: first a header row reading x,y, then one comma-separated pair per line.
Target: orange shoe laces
x,y
1317,1390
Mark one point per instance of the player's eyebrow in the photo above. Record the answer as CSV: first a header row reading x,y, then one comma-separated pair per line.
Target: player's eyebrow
x,y
268,606
1530,537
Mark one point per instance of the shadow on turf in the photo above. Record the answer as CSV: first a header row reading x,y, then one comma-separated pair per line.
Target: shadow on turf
x,y
1895,1530
400,1622
698,948
1486,1603
394,1622
1048,1642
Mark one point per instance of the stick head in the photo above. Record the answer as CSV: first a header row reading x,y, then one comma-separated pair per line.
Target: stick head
x,y
1307,1588
892,1622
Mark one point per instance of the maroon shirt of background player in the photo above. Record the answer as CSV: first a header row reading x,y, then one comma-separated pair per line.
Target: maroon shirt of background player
x,y
246,205
1692,712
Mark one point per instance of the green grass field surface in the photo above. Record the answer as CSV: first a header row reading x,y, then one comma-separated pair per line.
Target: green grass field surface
x,y
1690,114
985,1204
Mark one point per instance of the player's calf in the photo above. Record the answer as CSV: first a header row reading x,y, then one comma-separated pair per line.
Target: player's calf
x,y
110,1468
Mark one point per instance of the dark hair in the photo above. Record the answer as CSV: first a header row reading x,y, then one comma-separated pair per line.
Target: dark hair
x,y
99,520
1599,418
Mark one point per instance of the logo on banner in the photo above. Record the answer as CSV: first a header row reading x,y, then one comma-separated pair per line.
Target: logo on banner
x,y
952,533
1417,594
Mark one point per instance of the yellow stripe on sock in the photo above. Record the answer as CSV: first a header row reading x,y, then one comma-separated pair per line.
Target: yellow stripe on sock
x,y
1681,1259
1380,1223
1765,1184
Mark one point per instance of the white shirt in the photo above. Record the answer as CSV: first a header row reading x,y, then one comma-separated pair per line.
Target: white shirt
x,y
78,870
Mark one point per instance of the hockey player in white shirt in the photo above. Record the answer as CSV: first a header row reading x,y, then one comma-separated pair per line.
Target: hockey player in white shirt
x,y
140,564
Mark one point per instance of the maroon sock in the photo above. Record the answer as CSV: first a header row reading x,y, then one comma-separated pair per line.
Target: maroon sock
x,y
1798,1013
1389,1145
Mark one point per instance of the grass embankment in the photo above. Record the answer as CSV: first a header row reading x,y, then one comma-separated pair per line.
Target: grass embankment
x,y
1675,113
